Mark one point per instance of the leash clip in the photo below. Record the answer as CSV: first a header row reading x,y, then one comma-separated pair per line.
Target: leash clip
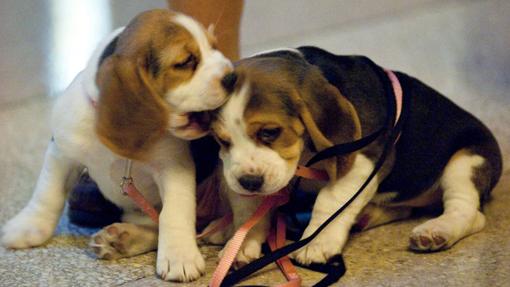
x,y
126,178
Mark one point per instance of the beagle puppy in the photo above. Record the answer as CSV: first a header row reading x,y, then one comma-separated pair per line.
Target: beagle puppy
x,y
288,104
142,96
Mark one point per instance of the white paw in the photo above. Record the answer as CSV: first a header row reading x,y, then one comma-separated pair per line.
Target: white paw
x,y
250,250
181,262
111,242
28,229
320,250
432,235
443,232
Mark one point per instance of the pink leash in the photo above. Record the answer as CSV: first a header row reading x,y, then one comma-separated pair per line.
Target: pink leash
x,y
236,241
127,187
276,238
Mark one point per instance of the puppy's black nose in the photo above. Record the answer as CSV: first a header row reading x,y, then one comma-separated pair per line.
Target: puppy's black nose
x,y
228,82
251,182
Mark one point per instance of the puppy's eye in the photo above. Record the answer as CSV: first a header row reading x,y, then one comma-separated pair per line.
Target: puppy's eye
x,y
191,62
268,135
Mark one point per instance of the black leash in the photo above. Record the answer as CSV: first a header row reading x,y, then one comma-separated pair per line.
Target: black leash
x,y
335,268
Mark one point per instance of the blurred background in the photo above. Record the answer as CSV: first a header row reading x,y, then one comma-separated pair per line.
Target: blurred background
x,y
460,47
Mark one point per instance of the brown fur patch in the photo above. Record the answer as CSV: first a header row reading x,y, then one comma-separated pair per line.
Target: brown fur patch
x,y
154,38
481,175
131,118
289,144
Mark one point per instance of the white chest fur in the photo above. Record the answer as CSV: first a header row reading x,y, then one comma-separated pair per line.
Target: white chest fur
x,y
73,130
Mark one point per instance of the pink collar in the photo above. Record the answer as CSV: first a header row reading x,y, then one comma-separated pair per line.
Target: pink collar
x,y
397,91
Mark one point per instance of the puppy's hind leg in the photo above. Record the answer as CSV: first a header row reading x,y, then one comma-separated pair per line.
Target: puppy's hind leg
x,y
35,224
461,201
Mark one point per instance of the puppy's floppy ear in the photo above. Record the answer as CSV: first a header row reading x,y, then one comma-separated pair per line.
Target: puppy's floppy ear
x,y
329,118
131,117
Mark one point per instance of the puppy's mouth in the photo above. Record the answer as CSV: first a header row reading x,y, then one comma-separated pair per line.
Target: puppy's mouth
x,y
199,121
190,125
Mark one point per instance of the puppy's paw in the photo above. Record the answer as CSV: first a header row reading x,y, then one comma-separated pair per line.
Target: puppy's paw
x,y
320,250
111,242
443,232
180,262
28,229
432,235
249,251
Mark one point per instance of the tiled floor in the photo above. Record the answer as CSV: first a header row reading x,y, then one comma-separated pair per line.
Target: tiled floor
x,y
459,47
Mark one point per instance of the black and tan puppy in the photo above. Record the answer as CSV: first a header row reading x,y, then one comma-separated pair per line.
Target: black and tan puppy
x,y
288,104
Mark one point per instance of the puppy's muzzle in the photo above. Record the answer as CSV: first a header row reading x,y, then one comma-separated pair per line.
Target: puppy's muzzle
x,y
251,183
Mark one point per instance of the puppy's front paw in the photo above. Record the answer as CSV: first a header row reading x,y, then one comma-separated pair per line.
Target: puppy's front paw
x,y
28,229
249,251
320,250
180,262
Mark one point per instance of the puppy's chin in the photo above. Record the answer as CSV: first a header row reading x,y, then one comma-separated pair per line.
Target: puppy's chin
x,y
190,126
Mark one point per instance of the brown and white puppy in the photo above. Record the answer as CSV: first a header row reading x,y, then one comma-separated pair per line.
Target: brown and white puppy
x,y
288,104
140,96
